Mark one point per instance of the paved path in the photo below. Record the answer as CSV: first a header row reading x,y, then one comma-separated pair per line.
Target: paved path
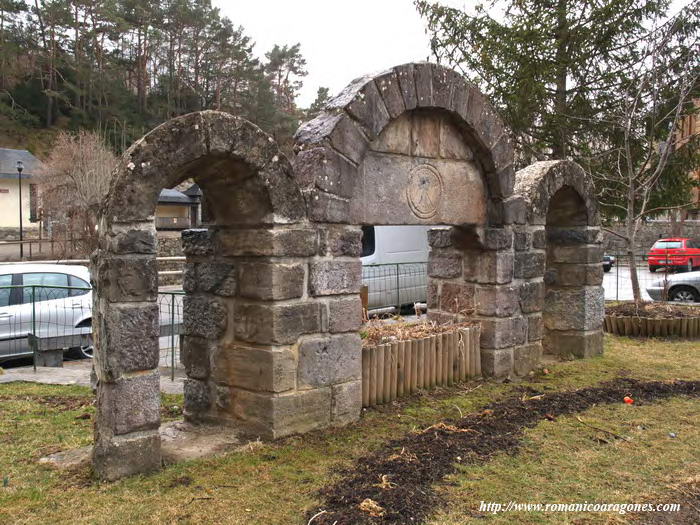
x,y
78,373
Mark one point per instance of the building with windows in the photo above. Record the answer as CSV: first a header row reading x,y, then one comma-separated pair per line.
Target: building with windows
x,y
690,127
10,193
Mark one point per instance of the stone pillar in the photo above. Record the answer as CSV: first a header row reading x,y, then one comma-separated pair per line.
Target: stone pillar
x,y
471,276
270,320
574,302
125,328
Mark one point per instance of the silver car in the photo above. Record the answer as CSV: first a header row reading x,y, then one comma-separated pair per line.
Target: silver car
x,y
683,287
48,300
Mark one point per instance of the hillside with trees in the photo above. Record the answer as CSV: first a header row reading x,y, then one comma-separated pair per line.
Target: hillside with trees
x,y
121,67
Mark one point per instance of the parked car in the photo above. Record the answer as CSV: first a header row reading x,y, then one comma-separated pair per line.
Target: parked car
x,y
61,306
676,252
682,287
608,263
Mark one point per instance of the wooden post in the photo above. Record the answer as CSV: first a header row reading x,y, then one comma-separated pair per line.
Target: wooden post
x,y
450,359
438,360
372,376
401,369
365,376
387,373
394,369
414,364
380,374
421,363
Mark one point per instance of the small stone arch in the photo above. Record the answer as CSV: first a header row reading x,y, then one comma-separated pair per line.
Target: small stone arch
x,y
244,307
562,248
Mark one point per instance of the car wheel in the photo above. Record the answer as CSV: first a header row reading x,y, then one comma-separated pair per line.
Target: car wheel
x,y
652,269
82,352
606,269
683,294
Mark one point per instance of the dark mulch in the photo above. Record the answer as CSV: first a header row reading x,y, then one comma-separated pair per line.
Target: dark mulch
x,y
399,477
653,310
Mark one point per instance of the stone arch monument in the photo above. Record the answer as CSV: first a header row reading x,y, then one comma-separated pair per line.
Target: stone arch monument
x,y
272,308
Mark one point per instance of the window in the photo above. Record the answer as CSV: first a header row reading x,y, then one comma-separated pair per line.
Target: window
x,y
77,282
367,240
5,280
47,282
668,245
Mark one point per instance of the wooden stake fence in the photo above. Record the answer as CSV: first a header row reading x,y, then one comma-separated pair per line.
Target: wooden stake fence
x,y
398,369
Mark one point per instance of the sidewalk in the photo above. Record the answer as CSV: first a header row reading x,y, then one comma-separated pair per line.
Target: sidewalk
x,y
78,373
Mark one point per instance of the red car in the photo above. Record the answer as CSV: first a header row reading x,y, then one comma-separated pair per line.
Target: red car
x,y
676,252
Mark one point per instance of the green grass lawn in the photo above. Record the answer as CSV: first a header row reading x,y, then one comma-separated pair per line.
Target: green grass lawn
x,y
560,461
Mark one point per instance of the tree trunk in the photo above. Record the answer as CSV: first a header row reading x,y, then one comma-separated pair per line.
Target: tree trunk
x,y
560,138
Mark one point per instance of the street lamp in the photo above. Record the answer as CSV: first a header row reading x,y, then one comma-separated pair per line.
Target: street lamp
x,y
20,168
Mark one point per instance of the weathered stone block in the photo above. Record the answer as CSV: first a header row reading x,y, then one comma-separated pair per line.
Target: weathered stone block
x,y
217,278
368,108
573,235
271,281
197,242
328,360
440,237
279,242
326,207
444,264
515,210
344,314
442,317
488,267
539,239
204,317
423,75
129,404
503,333
574,308
457,298
407,85
335,277
497,362
531,296
194,355
574,343
346,402
526,358
120,456
340,240
433,293
327,170
197,399
275,323
132,278
497,238
347,138
272,416
529,265
498,301
522,240
135,238
259,369
535,327
575,254
388,86
128,339
574,274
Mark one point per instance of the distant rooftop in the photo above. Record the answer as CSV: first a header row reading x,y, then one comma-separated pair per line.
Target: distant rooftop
x,y
8,163
173,197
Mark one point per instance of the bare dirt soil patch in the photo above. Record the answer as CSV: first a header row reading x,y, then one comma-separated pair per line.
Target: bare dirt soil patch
x,y
63,402
395,483
653,310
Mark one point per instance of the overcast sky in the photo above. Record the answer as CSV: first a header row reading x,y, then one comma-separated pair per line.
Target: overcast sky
x,y
340,39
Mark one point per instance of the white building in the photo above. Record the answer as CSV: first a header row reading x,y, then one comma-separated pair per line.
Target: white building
x,y
9,193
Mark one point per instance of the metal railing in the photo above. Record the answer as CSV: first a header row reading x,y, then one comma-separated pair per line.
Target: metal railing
x,y
395,285
37,320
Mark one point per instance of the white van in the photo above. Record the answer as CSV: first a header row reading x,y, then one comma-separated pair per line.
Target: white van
x,y
394,265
